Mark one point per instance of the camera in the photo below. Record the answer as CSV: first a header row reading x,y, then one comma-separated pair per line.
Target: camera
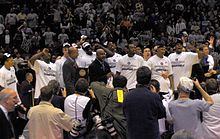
x,y
75,132
108,122
97,120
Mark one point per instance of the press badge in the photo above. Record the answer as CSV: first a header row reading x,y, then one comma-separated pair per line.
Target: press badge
x,y
120,95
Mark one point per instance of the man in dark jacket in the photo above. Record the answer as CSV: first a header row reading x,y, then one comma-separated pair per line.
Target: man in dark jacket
x,y
26,90
99,70
8,100
111,103
143,108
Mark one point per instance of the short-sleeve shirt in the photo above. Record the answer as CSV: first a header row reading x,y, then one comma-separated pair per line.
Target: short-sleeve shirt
x,y
186,115
44,73
158,66
182,65
128,66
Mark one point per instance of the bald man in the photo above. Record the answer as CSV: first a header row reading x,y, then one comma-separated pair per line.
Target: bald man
x,y
70,70
8,100
99,70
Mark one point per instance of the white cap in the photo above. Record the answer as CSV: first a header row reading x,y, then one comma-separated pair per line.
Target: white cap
x,y
66,44
186,82
85,44
185,33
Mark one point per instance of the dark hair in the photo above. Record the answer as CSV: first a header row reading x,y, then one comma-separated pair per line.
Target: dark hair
x,y
46,93
156,84
120,81
81,86
55,85
211,86
143,75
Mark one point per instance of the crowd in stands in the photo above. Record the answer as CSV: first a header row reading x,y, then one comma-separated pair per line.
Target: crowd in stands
x,y
58,56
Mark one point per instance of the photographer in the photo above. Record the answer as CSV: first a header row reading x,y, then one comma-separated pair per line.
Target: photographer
x,y
75,104
110,102
184,111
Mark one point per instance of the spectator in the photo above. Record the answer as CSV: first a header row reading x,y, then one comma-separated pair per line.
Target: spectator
x,y
143,108
32,19
48,37
75,104
58,99
211,117
8,100
18,60
185,108
63,37
111,100
46,121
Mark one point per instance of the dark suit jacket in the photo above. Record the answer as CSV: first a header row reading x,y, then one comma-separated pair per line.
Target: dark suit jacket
x,y
5,127
96,72
70,77
142,109
26,93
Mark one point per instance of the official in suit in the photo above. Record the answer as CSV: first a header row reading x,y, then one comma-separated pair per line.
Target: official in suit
x,y
26,90
8,100
99,70
70,70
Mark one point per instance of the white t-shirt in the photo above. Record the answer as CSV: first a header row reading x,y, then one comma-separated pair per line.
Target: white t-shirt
x,y
44,73
128,66
8,79
84,60
211,119
76,111
59,70
112,61
158,66
182,65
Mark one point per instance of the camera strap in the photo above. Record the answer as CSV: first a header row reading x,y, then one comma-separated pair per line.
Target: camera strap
x,y
76,107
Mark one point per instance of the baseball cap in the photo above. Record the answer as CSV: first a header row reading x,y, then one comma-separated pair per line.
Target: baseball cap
x,y
85,45
5,57
66,44
179,41
185,33
186,84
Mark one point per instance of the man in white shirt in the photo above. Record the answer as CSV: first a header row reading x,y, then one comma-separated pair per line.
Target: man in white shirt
x,y
59,65
161,68
211,118
115,58
128,65
44,70
8,78
182,62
